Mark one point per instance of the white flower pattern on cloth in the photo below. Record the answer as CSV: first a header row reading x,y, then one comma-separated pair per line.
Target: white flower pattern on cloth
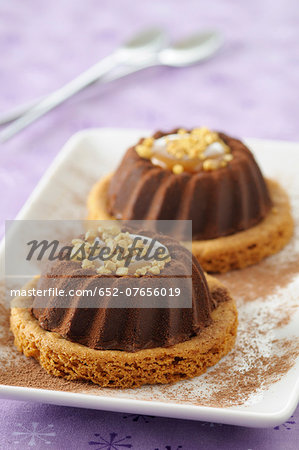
x,y
34,435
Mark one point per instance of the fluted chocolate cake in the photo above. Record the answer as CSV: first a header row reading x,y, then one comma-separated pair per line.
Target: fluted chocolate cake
x,y
203,176
126,346
219,201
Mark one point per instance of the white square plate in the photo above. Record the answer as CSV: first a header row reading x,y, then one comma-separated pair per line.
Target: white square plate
x,y
61,194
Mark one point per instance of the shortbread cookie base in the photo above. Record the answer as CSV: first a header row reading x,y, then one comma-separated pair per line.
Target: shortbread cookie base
x,y
236,251
97,200
119,369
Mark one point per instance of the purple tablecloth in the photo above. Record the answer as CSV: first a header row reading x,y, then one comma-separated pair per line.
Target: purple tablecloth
x,y
249,89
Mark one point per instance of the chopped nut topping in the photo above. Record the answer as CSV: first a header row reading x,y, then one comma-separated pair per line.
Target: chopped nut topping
x,y
178,168
78,242
90,235
113,238
122,271
228,157
148,142
110,266
211,164
154,270
144,151
87,264
200,144
103,271
142,270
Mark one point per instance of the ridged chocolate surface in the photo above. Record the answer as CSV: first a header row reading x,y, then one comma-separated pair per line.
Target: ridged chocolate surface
x,y
219,203
128,329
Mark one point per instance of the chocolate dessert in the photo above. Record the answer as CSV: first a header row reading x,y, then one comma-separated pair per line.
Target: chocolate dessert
x,y
238,217
221,197
130,329
115,346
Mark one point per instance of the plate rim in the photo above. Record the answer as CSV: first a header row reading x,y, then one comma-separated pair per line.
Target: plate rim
x,y
229,416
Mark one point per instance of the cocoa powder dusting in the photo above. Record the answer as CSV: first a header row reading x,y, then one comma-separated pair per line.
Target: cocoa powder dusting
x,y
261,356
266,349
264,278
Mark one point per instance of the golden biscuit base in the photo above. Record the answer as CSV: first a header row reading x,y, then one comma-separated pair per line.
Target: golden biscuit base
x,y
120,369
235,251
